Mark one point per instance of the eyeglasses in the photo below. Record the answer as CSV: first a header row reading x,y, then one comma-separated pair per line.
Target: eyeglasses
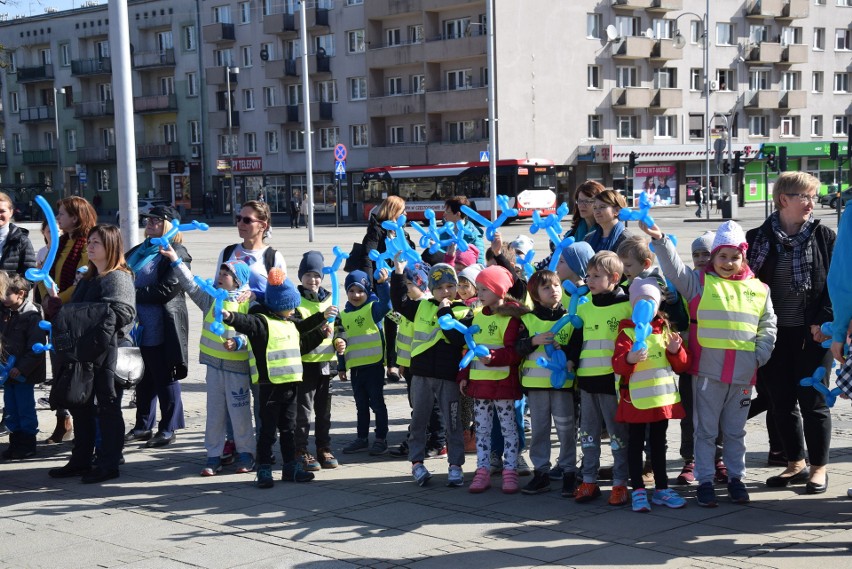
x,y
154,220
586,202
804,198
246,220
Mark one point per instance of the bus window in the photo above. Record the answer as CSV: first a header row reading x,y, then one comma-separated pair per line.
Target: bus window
x,y
414,189
376,190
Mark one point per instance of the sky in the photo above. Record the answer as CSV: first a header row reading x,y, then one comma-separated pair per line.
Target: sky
x,y
36,7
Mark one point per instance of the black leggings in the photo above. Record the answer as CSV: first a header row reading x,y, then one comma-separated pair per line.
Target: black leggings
x,y
635,446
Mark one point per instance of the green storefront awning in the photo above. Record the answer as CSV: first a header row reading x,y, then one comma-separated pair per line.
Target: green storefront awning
x,y
818,149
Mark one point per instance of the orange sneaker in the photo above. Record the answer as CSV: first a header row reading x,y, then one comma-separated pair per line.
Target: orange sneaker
x,y
586,492
469,442
618,496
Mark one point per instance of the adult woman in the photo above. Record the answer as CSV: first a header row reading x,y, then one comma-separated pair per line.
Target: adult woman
x,y
583,222
610,231
16,251
107,281
473,235
791,253
75,218
163,319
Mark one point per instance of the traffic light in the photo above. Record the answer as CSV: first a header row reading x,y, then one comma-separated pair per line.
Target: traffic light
x,y
726,167
782,159
738,161
631,161
834,150
770,161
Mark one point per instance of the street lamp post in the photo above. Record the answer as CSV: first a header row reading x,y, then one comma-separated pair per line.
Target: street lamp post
x,y
492,107
231,145
60,179
679,43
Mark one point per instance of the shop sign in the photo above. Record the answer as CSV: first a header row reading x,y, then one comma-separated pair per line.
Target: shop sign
x,y
658,182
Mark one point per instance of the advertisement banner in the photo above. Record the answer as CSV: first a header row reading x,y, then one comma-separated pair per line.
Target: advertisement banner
x,y
658,182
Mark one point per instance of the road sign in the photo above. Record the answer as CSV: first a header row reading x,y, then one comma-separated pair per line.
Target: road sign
x,y
483,156
81,177
340,153
340,168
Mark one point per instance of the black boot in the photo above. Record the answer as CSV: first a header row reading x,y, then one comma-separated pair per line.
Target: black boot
x,y
25,446
292,472
9,452
569,483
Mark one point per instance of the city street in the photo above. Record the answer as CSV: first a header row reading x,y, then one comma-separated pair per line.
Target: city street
x,y
369,513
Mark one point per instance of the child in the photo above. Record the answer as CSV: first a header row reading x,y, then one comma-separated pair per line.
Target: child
x,y
275,364
315,389
649,395
227,360
461,259
467,285
493,380
362,345
547,404
435,360
19,330
736,329
590,353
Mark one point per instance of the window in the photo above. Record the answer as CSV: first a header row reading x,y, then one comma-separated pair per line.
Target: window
x,y
167,85
251,143
696,126
294,94
165,41
354,2
418,83
188,35
846,3
394,86
842,39
222,14
329,137
841,82
268,97
245,12
327,91
595,126
757,126
65,55
14,107
663,28
819,2
102,179
295,141
223,57
628,127
459,79
248,99
665,126
271,52
461,130
194,132
227,145
357,88
104,92
415,34
758,33
457,28
696,31
725,34
355,41
791,36
16,144
396,135
817,82
819,39
71,140
791,81
841,123
628,26
293,49
108,136
789,126
358,136
626,76
758,79
816,125
594,24
665,78
593,77
393,36
191,84
484,130
13,61
726,79
418,133
272,141
169,133
245,53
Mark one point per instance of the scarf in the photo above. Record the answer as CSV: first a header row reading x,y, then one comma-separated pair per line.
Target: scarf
x,y
143,255
800,244
68,271
600,243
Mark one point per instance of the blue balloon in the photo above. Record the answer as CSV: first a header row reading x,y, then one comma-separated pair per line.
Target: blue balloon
x,y
6,368
578,297
643,312
219,296
166,239
43,274
816,381
526,262
641,213
447,322
492,226
339,257
382,259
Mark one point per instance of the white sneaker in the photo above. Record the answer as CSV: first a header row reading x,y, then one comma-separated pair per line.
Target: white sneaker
x,y
455,476
421,474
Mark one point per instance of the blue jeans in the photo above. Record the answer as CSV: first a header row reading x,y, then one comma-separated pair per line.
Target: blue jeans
x,y
368,385
19,402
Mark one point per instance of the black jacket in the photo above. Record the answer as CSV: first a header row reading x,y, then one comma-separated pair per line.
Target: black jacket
x,y
19,331
817,303
17,255
375,239
168,293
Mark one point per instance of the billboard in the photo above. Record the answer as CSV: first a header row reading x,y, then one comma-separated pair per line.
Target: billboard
x,y
658,182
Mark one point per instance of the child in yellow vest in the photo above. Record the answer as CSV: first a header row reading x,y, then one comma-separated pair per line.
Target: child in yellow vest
x,y
736,328
590,353
227,381
649,394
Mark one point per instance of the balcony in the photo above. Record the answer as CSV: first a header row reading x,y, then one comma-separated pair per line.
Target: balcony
x,y
662,99
216,76
95,66
218,33
395,105
96,155
156,151
321,111
757,101
793,100
765,53
319,64
155,104
795,9
154,59
455,48
664,50
94,109
219,119
382,56
281,68
284,24
36,114
632,47
764,9
456,100
317,18
38,73
34,157
283,114
793,54
662,6
632,4
381,9
631,97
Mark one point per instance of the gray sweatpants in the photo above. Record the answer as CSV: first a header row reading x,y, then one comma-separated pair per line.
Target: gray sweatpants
x,y
424,392
724,406
556,406
597,408
228,398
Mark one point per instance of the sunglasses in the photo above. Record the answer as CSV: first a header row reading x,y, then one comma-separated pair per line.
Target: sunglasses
x,y
247,220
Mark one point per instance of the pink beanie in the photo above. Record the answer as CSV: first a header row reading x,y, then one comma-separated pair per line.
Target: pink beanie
x,y
645,288
467,258
497,279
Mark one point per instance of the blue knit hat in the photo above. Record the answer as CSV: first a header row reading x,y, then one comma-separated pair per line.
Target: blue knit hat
x,y
282,297
357,278
240,271
418,274
312,262
577,257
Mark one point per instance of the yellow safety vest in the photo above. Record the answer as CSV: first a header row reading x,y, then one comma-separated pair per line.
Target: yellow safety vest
x,y
600,329
427,332
653,384
532,375
404,337
363,337
325,351
729,313
492,329
211,344
283,357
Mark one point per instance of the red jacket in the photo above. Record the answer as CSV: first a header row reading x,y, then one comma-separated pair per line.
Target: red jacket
x,y
510,387
626,412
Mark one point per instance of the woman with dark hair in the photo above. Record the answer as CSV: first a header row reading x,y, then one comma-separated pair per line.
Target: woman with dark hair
x,y
106,281
583,222
610,231
164,338
791,253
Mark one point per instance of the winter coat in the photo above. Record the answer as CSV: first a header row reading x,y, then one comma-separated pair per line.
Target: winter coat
x,y
19,330
17,255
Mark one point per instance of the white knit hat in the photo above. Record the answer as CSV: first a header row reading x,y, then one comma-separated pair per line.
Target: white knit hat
x,y
470,273
730,234
523,244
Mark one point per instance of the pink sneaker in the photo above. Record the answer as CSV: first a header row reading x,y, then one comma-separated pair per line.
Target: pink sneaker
x,y
481,481
510,481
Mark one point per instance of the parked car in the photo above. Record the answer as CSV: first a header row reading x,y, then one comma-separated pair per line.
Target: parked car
x,y
144,206
830,199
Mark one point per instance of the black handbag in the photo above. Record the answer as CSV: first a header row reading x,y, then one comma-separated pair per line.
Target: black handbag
x,y
356,258
129,367
73,386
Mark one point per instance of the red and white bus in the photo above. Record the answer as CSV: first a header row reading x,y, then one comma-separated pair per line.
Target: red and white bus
x,y
529,183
